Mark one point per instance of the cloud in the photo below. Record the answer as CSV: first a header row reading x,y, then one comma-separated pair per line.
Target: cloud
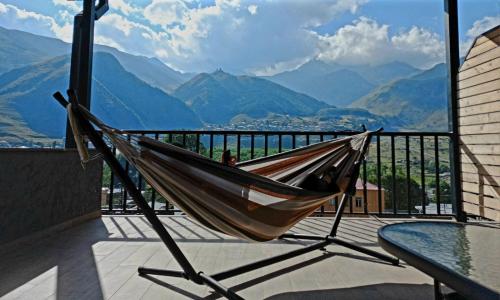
x,y
252,9
367,42
478,27
241,36
13,17
125,7
483,25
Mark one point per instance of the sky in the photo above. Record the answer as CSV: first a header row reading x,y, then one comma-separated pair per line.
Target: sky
x,y
263,37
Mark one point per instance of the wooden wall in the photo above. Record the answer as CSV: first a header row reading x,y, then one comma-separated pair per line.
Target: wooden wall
x,y
479,126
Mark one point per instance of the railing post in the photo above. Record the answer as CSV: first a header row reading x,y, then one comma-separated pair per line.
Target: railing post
x,y
453,64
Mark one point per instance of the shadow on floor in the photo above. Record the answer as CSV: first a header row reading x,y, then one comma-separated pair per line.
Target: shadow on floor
x,y
386,291
65,259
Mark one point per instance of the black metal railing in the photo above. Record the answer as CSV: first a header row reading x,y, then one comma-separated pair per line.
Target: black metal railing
x,y
405,174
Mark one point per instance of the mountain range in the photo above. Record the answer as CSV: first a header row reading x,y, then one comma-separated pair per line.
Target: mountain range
x,y
131,91
27,104
19,48
340,85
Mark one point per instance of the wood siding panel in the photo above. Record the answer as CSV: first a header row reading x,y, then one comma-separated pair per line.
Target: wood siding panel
x,y
480,99
492,117
483,47
477,70
479,127
480,59
479,89
479,79
480,139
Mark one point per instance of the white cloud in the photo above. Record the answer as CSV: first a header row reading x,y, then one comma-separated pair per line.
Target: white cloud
x,y
483,25
72,6
124,7
478,27
15,18
252,9
367,42
239,35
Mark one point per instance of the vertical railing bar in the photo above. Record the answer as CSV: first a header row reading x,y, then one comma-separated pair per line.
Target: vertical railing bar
x,y
153,191
279,143
224,147
197,146
266,141
124,194
436,163
211,153
238,147
184,140
170,138
252,145
422,172
393,171
307,138
321,137
365,191
408,186
350,204
379,177
293,141
139,179
111,185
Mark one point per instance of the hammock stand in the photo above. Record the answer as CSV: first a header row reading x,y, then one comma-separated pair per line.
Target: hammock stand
x,y
188,272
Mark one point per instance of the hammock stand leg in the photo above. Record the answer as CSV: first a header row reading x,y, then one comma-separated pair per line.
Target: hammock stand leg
x,y
332,239
188,272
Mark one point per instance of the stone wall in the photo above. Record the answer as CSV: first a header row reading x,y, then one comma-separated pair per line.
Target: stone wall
x,y
44,188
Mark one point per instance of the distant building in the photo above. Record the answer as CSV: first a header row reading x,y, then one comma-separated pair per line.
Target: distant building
x,y
358,199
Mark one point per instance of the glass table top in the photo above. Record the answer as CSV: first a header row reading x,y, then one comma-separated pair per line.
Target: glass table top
x,y
470,250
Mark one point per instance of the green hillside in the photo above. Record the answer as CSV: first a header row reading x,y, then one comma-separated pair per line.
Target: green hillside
x,y
219,96
119,98
420,101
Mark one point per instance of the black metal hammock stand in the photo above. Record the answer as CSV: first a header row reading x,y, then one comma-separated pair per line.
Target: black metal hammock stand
x,y
288,186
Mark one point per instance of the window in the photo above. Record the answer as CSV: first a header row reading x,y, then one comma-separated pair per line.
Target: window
x,y
359,202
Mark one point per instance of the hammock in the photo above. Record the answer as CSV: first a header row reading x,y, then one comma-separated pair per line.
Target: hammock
x,y
256,200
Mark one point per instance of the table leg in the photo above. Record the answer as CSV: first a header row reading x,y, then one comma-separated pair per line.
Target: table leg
x,y
437,290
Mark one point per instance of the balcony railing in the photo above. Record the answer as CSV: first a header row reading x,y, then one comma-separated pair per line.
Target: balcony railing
x,y
405,174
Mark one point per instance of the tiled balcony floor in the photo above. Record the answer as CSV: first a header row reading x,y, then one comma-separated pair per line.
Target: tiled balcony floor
x,y
99,260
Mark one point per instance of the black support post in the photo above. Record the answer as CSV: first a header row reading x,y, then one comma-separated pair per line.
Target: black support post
x,y
453,65
80,78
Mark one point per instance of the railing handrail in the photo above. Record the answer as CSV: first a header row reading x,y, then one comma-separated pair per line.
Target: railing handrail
x,y
284,132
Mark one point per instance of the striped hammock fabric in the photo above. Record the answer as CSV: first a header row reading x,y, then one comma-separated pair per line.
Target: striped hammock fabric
x,y
255,200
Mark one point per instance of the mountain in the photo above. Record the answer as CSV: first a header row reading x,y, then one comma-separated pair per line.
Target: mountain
x,y
219,96
385,73
19,48
419,101
150,70
118,97
337,84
